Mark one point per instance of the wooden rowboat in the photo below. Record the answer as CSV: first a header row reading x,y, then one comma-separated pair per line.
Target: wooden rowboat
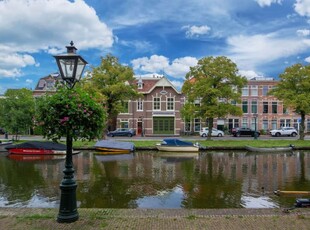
x,y
109,147
293,193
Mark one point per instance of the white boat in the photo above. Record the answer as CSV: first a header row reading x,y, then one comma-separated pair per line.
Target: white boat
x,y
4,144
176,145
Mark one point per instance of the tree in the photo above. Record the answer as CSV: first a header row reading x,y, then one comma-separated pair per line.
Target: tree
x,y
17,110
214,84
294,90
72,111
113,83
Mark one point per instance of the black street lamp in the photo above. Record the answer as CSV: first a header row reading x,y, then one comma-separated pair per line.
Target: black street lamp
x,y
255,131
71,67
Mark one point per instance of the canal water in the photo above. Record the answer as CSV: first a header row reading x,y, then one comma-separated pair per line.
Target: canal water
x,y
216,179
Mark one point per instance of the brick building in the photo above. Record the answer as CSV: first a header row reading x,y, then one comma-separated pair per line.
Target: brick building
x,y
157,112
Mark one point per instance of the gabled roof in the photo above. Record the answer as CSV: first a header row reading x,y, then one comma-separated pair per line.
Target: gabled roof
x,y
149,84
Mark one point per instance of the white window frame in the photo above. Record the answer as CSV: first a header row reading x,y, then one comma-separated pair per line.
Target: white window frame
x,y
170,104
139,105
157,103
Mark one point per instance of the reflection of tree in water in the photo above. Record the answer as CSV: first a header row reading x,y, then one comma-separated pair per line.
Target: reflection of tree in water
x,y
210,190
18,180
300,183
106,189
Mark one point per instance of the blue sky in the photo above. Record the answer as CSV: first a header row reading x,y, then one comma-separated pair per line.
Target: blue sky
x,y
262,37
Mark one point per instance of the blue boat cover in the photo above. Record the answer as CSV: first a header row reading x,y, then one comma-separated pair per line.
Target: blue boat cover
x,y
176,142
38,145
115,144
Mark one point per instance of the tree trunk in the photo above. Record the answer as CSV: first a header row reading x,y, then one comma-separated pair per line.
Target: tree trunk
x,y
302,126
210,126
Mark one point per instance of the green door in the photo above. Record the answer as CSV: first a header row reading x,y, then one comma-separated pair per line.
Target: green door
x,y
163,125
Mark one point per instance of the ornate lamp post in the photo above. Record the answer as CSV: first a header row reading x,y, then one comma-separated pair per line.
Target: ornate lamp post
x,y
71,67
255,120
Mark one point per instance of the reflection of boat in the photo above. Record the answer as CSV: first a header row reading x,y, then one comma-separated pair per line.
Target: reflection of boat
x,y
178,155
4,144
41,157
269,150
175,157
114,157
292,193
113,147
176,145
38,148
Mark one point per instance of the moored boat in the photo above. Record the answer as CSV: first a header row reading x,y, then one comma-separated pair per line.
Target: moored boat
x,y
38,148
176,145
4,144
270,149
291,193
113,147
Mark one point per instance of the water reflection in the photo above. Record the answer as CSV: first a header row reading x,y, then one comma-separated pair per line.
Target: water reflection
x,y
154,180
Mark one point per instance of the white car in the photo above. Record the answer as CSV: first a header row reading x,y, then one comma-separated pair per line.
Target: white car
x,y
215,132
284,131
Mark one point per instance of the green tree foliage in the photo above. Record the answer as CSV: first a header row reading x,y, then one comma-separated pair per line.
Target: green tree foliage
x,y
294,90
113,83
71,112
17,111
213,83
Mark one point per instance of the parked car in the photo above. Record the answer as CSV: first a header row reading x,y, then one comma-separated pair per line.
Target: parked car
x,y
215,132
284,131
237,132
122,132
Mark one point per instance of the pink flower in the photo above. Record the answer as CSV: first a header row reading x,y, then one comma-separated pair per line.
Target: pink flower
x,y
63,120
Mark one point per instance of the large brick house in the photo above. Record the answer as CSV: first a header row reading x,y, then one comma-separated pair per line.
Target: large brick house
x,y
157,112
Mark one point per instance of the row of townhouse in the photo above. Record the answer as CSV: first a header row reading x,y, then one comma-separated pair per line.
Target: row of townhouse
x,y
157,112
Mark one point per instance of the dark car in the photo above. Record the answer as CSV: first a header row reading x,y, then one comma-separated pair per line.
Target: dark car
x,y
122,132
237,132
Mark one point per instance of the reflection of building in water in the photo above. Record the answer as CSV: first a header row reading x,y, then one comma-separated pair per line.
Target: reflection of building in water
x,y
271,171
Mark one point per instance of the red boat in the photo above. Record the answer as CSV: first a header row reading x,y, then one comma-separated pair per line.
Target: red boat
x,y
37,148
29,157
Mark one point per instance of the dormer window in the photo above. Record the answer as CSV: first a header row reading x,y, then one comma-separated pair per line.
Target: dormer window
x,y
140,84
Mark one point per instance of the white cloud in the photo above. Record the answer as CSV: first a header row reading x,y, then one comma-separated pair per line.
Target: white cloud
x,y
302,7
180,66
307,59
29,81
250,74
153,64
251,51
196,31
32,26
303,33
263,3
177,69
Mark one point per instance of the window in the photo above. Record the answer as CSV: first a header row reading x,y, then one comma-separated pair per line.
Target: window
x,y
265,107
124,124
140,105
265,90
274,107
285,110
254,107
245,91
156,103
245,106
273,124
244,122
254,90
197,125
265,125
170,103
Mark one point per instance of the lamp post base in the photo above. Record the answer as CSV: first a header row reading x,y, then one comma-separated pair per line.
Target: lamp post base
x,y
68,210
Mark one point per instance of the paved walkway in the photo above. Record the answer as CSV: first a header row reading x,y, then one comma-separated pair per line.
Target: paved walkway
x,y
157,219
